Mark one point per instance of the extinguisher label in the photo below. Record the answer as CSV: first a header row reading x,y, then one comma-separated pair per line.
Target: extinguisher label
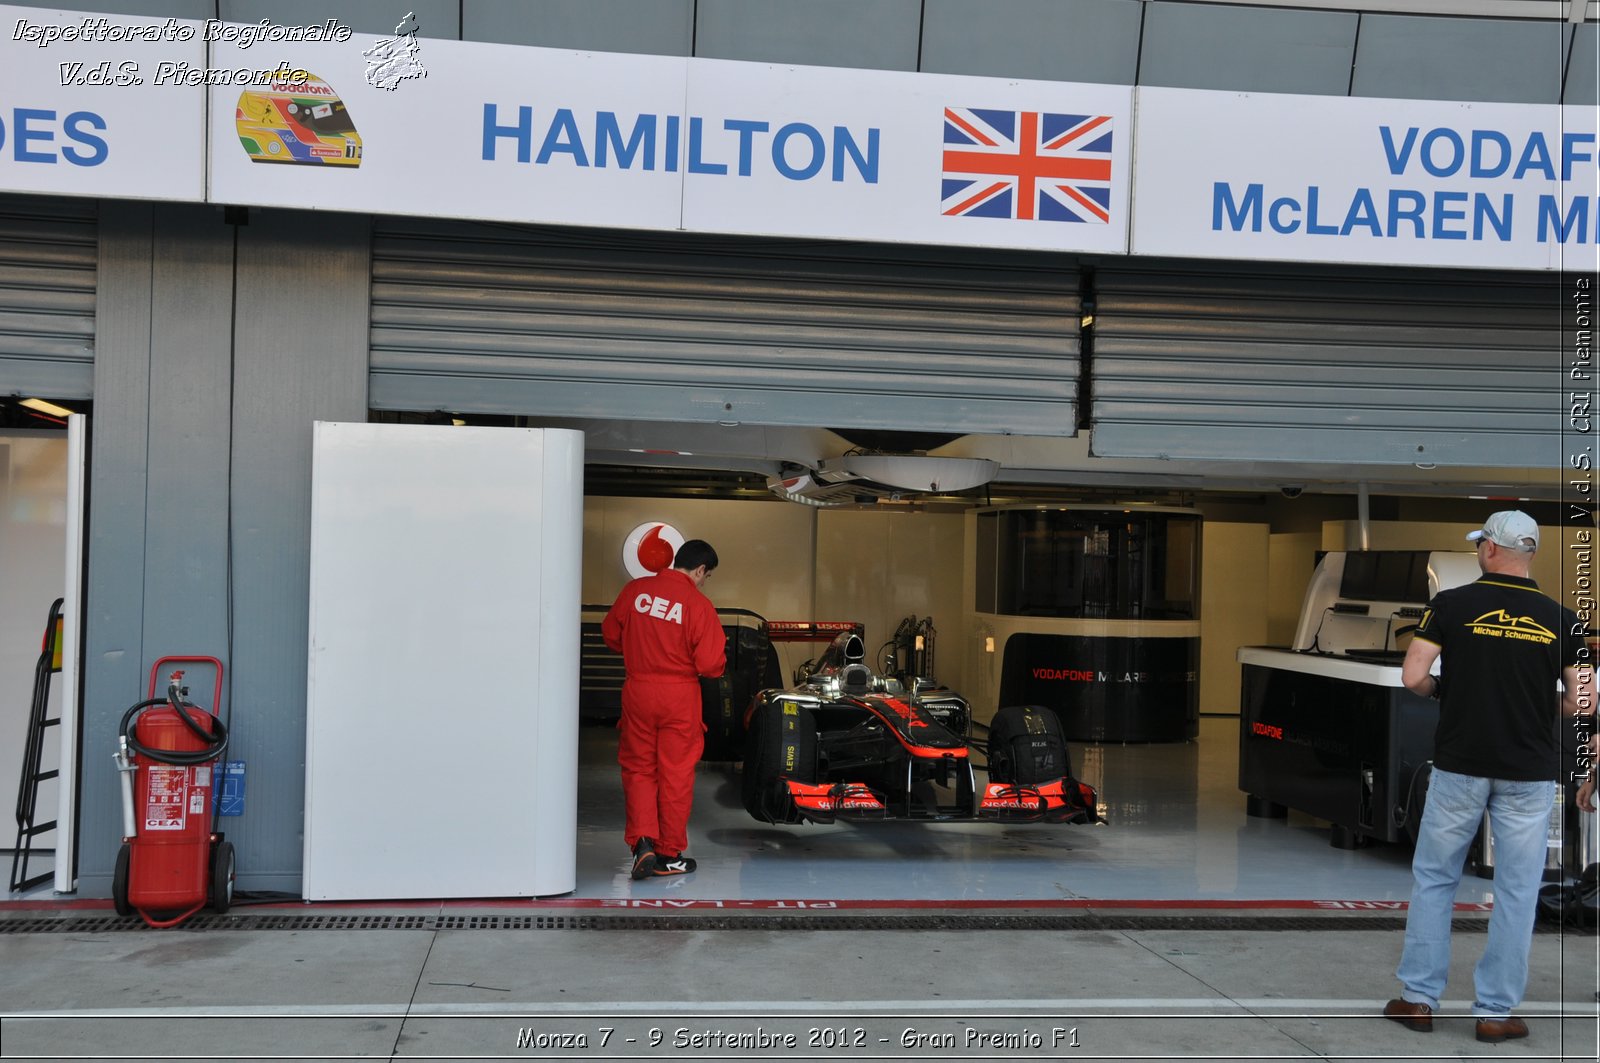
x,y
167,799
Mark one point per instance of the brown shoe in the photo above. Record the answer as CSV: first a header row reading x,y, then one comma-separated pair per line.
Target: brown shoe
x,y
1494,1031
1418,1017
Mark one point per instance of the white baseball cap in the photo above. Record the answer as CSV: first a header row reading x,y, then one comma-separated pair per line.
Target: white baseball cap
x,y
1510,528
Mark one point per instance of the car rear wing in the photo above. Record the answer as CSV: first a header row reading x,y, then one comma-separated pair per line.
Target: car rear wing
x,y
813,630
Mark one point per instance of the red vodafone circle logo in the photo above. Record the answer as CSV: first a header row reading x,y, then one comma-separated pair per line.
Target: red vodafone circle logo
x,y
650,548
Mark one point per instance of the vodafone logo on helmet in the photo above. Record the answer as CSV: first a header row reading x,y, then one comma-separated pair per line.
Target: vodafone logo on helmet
x,y
649,548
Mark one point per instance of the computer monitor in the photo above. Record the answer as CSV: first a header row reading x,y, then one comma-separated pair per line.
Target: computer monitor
x,y
1385,576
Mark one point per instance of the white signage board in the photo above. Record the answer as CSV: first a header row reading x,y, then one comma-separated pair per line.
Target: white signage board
x,y
100,105
915,158
1401,182
653,142
484,131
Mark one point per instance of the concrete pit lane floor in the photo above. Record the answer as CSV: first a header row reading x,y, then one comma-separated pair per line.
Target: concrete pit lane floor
x,y
1183,929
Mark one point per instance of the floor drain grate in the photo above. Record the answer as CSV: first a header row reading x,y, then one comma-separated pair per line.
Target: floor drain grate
x,y
1082,922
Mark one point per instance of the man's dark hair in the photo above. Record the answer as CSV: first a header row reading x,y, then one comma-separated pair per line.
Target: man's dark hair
x,y
694,553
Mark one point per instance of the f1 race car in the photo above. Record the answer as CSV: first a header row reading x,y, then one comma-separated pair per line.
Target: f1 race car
x,y
846,743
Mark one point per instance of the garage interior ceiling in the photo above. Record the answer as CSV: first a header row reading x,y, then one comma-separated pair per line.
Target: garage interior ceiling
x,y
647,458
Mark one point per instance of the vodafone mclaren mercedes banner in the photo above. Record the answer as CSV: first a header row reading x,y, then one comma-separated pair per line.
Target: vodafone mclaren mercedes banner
x,y
317,117
93,105
655,142
1405,182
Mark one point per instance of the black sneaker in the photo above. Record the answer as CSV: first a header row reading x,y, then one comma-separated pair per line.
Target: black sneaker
x,y
674,865
644,858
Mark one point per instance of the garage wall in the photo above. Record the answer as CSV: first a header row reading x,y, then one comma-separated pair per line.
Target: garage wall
x,y
33,537
880,566
1234,583
1291,560
1199,44
874,566
218,346
764,550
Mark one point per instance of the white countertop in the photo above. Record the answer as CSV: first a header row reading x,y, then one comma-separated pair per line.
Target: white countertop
x,y
1382,674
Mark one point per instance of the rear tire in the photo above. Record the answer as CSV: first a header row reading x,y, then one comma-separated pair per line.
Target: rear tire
x,y
222,877
1027,747
782,745
1417,801
722,705
119,880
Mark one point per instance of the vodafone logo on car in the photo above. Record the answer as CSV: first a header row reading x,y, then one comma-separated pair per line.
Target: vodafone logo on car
x,y
649,548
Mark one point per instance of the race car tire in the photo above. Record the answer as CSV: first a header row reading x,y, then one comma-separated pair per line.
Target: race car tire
x,y
781,746
119,880
723,701
1026,746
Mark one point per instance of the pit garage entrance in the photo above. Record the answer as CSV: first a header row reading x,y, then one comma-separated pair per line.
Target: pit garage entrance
x,y
1293,406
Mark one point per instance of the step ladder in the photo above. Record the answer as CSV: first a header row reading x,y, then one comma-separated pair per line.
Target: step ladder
x,y
39,724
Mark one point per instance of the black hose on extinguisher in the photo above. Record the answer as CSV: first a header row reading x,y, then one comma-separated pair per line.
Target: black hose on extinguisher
x,y
216,739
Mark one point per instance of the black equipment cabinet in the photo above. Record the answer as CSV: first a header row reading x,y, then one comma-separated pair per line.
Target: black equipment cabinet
x,y
1343,742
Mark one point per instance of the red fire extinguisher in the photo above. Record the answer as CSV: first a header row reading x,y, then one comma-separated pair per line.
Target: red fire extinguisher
x,y
171,860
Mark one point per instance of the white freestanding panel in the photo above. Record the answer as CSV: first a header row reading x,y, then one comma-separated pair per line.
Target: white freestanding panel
x,y
442,696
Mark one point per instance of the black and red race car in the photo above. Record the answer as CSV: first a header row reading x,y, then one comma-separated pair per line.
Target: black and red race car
x,y
848,743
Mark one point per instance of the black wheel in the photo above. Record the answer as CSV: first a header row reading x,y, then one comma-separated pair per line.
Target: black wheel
x,y
722,705
781,745
119,880
1026,746
1341,837
221,877
1261,808
1417,801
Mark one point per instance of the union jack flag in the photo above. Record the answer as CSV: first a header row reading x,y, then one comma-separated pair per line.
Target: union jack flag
x,y
1030,165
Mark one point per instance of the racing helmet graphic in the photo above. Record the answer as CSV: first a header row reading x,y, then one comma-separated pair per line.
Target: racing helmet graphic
x,y
297,122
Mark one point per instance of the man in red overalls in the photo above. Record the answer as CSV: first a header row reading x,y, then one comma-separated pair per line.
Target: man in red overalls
x,y
669,636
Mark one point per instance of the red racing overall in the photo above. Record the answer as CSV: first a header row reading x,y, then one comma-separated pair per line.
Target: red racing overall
x,y
669,636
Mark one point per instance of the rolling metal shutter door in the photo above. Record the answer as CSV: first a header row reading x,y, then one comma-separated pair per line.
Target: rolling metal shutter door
x,y
49,252
1298,363
517,320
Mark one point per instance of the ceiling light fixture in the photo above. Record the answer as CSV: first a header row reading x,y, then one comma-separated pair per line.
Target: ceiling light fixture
x,y
46,407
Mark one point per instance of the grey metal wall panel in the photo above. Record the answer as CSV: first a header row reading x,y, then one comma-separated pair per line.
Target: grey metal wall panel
x,y
48,249
433,18
866,34
649,27
1328,365
1051,40
1250,49
1583,67
290,370
191,9
1421,58
500,319
113,655
158,479
206,390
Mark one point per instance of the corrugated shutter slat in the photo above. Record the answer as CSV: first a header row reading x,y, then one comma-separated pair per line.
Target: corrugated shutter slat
x,y
500,319
1322,364
49,250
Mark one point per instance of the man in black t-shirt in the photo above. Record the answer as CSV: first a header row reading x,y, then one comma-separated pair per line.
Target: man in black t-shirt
x,y
1501,645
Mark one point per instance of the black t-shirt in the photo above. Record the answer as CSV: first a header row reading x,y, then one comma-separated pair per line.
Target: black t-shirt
x,y
1503,645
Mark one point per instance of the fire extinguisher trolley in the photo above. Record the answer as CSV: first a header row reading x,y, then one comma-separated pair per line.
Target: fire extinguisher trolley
x,y
171,859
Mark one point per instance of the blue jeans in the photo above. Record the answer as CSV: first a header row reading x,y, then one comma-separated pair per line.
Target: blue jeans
x,y
1519,816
